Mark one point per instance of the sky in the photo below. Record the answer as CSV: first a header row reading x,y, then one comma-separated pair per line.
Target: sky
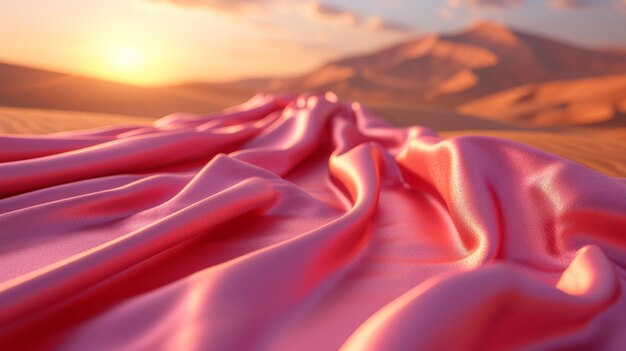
x,y
160,42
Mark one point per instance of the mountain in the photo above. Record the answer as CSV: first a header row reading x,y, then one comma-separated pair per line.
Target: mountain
x,y
587,101
37,88
455,68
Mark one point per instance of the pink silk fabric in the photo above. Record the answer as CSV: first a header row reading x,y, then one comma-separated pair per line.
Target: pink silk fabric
x,y
304,223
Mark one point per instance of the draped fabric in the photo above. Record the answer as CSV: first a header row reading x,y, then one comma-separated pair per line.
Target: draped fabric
x,y
304,223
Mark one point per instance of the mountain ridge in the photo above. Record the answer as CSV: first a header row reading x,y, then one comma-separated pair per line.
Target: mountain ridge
x,y
455,68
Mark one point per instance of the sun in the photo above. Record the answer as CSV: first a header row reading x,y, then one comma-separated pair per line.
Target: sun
x,y
130,62
126,59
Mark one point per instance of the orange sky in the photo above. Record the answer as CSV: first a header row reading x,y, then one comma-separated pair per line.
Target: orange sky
x,y
156,42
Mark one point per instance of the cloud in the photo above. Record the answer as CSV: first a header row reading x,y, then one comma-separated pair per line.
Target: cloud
x,y
584,4
328,13
495,4
232,6
315,11
446,13
569,4
377,23
564,5
331,14
455,9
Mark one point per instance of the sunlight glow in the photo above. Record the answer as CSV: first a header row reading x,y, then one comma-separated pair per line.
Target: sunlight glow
x,y
129,62
126,59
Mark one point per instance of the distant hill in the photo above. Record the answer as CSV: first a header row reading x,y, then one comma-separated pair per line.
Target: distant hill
x,y
36,88
452,69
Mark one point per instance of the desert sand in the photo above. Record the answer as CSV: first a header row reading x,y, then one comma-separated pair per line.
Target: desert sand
x,y
15,120
601,150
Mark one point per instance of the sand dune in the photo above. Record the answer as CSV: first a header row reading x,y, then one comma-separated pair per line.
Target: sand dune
x,y
590,101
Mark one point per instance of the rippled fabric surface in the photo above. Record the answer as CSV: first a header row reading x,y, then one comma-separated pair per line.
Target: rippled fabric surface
x,y
304,224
